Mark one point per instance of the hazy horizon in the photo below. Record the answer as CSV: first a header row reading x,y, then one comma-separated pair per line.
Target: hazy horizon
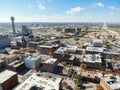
x,y
60,10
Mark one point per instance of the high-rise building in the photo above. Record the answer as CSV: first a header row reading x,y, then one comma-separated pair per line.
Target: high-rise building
x,y
13,25
4,41
26,31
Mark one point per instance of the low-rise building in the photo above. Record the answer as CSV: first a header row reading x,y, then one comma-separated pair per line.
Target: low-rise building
x,y
44,81
97,43
50,64
93,61
48,48
109,81
2,63
72,49
111,54
93,50
8,58
32,44
8,79
16,66
33,60
60,53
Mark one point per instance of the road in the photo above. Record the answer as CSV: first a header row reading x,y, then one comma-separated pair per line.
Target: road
x,y
113,33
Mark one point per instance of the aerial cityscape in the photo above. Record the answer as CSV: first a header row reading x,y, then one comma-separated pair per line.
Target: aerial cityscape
x,y
60,45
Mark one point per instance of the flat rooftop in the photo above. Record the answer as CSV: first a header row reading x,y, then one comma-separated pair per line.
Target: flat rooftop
x,y
34,56
51,60
92,58
49,45
16,63
5,56
97,41
44,81
94,49
72,48
113,83
61,50
5,75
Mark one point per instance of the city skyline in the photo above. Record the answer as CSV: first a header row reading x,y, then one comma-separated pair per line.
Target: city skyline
x,y
60,10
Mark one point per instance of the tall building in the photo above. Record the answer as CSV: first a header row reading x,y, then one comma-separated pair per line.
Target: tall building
x,y
4,41
13,25
26,31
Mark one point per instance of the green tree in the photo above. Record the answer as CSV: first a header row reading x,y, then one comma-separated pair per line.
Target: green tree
x,y
78,80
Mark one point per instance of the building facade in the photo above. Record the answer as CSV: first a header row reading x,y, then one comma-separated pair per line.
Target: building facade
x,y
8,79
4,41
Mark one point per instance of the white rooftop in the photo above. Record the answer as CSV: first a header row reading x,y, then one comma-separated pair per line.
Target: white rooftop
x,y
46,82
51,60
5,75
72,48
61,50
94,49
34,56
92,58
115,86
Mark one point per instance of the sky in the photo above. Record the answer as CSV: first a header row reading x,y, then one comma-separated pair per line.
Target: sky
x,y
60,10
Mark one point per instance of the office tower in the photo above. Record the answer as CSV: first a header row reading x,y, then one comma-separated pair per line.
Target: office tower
x,y
26,31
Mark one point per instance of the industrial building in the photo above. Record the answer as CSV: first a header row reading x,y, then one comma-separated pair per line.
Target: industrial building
x,y
4,41
33,60
8,79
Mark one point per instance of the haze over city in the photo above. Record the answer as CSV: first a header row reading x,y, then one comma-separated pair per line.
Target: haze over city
x,y
60,10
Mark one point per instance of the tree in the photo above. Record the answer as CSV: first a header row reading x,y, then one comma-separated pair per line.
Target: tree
x,y
70,72
78,80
